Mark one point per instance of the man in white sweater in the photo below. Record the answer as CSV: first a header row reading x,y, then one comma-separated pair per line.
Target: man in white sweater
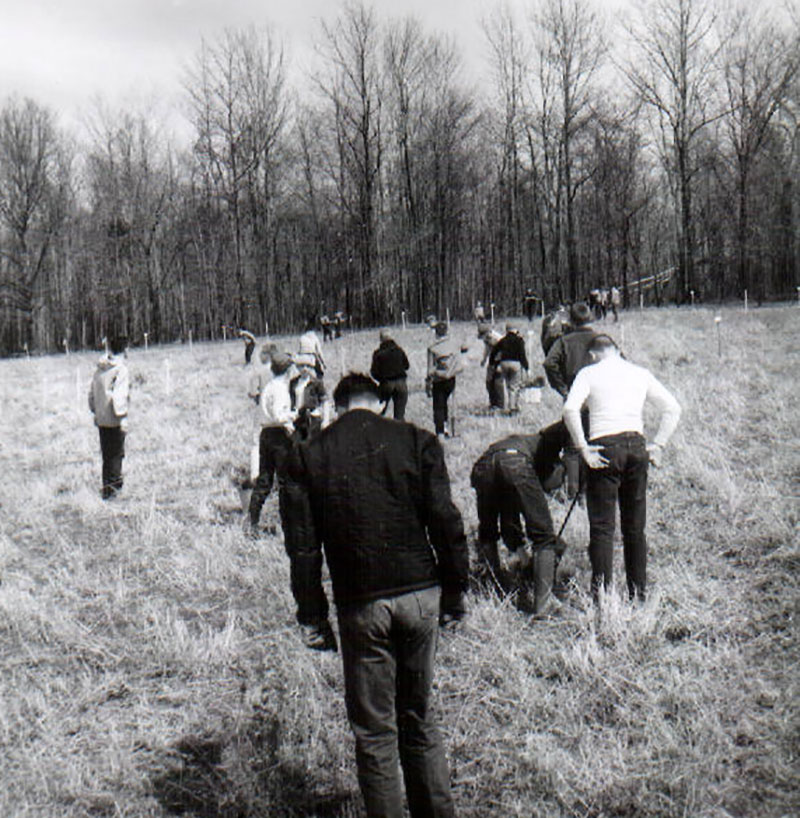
x,y
615,391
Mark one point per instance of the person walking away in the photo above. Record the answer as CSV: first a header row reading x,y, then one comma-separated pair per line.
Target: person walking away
x,y
568,355
615,300
109,395
615,392
327,328
510,479
372,495
554,325
309,353
389,368
249,344
444,363
529,303
479,314
510,359
276,433
494,380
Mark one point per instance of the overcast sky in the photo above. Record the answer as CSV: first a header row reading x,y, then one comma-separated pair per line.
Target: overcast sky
x,y
62,53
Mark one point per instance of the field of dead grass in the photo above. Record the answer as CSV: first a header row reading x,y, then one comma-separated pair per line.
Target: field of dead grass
x,y
151,667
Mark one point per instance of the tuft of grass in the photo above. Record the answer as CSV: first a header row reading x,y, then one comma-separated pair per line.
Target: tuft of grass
x,y
151,665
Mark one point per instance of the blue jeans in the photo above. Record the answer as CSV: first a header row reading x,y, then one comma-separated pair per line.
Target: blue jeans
x,y
388,648
623,482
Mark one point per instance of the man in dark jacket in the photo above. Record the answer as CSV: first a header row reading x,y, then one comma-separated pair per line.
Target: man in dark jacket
x,y
509,360
509,479
389,368
375,495
568,355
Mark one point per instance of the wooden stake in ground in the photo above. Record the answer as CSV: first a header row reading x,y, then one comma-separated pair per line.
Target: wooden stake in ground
x,y
718,321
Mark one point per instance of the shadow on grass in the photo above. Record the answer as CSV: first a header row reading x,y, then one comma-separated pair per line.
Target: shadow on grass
x,y
243,777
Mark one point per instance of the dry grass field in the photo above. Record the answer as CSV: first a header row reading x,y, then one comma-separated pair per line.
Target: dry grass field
x,y
150,665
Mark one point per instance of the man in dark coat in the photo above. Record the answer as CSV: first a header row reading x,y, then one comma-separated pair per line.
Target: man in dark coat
x,y
509,479
568,355
389,368
374,495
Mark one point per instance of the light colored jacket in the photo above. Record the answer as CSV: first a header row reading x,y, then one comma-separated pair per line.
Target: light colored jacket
x,y
110,391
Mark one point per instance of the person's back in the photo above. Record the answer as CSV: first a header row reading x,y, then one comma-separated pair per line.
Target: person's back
x,y
374,535
110,390
389,361
570,353
374,494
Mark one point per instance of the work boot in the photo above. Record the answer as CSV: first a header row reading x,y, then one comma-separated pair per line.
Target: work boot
x,y
489,565
543,570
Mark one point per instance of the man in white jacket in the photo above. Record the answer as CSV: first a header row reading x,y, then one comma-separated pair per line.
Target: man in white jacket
x,y
108,401
615,391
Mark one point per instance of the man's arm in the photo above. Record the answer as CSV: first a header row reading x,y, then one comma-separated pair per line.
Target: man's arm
x,y
670,415
576,397
445,529
553,364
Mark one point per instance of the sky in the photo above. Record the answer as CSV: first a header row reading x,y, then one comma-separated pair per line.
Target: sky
x,y
64,53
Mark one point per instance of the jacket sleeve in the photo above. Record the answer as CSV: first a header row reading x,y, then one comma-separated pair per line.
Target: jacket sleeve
x,y
553,366
405,360
443,519
302,542
374,370
121,392
523,355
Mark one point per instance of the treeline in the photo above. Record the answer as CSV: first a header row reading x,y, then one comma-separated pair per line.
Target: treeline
x,y
592,155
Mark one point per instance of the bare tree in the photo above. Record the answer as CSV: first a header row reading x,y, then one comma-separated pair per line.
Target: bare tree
x,y
571,46
760,61
353,91
28,156
236,93
674,69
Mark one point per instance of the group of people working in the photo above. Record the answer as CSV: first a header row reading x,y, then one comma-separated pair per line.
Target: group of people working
x,y
370,496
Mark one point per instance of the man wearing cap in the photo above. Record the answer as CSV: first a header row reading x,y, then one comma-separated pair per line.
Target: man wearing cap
x,y
277,427
444,363
568,355
509,479
615,391
389,368
509,359
373,495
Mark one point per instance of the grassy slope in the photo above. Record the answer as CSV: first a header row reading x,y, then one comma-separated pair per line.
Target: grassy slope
x,y
150,665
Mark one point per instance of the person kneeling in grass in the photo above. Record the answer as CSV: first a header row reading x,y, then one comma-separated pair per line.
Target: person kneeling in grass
x,y
615,391
510,479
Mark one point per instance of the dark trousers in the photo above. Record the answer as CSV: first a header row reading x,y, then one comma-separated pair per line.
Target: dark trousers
x,y
441,391
494,387
388,649
273,446
506,487
623,482
396,390
112,448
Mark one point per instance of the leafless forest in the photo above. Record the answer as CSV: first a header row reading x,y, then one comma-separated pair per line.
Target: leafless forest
x,y
594,152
